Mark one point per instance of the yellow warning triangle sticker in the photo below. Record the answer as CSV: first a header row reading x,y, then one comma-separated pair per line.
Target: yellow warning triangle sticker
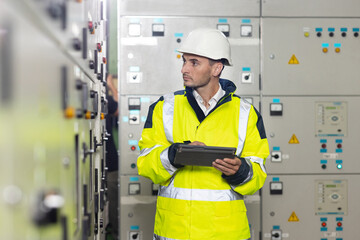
x,y
294,140
293,217
293,60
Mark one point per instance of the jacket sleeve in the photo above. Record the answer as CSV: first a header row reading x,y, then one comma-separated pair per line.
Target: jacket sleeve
x,y
153,161
255,152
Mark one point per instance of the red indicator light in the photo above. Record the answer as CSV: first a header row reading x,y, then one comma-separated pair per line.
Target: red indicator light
x,y
339,146
133,148
339,224
323,145
323,224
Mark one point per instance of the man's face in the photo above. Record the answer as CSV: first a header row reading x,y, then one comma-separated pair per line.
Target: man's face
x,y
196,70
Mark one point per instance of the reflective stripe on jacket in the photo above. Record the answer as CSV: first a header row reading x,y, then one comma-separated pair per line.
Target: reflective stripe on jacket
x,y
196,202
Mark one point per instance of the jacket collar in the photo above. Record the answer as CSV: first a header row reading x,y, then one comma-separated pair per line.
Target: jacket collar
x,y
228,86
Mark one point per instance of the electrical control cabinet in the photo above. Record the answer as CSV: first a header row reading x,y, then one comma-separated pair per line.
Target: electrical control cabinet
x,y
52,131
309,105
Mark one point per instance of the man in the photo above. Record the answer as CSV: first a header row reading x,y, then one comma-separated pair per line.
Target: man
x,y
196,202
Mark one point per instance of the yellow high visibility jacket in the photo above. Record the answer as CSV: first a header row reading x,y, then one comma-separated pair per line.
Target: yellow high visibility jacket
x,y
196,202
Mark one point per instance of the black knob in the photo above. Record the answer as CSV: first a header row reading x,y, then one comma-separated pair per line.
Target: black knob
x,y
76,44
135,236
79,84
331,34
343,34
318,34
356,34
91,64
276,235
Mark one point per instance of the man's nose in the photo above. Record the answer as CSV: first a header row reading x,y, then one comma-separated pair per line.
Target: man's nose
x,y
184,68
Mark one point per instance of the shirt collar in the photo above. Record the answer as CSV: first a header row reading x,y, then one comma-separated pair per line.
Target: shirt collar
x,y
218,95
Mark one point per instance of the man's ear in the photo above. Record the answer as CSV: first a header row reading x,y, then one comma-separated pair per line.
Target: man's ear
x,y
218,67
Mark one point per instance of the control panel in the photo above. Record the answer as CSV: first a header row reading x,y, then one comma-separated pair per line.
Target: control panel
x,y
331,197
331,119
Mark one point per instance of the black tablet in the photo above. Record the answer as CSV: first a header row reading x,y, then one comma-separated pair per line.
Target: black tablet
x,y
201,155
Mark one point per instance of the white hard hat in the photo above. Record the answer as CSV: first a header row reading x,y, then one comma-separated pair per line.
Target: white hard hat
x,y
207,42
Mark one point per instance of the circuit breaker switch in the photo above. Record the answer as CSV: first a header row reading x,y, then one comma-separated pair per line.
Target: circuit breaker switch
x,y
134,77
276,235
276,156
134,117
246,77
134,236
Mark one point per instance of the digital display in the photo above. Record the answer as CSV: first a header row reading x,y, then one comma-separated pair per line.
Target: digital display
x,y
331,186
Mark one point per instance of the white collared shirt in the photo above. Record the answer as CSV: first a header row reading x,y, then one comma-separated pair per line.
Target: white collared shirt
x,y
213,101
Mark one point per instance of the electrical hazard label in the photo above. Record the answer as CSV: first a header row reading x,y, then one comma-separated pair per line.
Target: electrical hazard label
x,y
294,140
293,60
293,218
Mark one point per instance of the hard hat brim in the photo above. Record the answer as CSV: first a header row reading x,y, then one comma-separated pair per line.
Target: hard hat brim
x,y
226,61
